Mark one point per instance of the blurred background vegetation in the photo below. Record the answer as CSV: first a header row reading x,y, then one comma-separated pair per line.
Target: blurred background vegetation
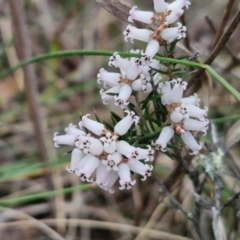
x,y
67,87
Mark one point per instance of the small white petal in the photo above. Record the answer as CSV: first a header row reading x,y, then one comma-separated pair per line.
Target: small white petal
x,y
63,139
132,33
169,34
125,148
124,94
124,175
164,137
94,126
174,16
160,6
191,142
124,125
141,16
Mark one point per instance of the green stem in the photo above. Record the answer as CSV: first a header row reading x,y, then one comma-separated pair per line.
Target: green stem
x,y
228,86
44,195
70,53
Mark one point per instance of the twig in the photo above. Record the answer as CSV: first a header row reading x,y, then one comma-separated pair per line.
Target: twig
x,y
223,23
174,201
220,44
186,39
42,226
230,200
213,29
99,225
24,47
216,210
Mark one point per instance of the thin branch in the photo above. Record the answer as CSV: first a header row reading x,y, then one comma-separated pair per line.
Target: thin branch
x,y
220,44
174,201
223,23
24,47
230,200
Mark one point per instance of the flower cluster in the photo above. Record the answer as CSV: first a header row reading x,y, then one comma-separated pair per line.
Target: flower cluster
x,y
109,157
134,76
184,114
165,30
105,152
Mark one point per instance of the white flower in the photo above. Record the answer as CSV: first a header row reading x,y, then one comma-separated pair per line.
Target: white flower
x,y
73,130
160,6
109,78
193,99
195,125
94,126
91,163
141,16
111,179
110,142
196,112
145,154
151,50
174,16
164,137
63,139
124,175
112,161
117,61
179,114
140,168
124,94
178,4
125,148
76,157
90,145
124,125
105,95
191,142
136,33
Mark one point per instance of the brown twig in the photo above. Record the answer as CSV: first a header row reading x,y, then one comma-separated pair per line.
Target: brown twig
x,y
220,44
223,23
24,49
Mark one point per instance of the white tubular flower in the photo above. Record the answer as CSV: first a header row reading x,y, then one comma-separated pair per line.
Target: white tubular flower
x,y
178,4
83,143
111,179
124,125
76,157
96,147
125,148
151,50
138,167
73,130
136,85
177,90
112,161
196,112
132,33
141,16
105,94
145,154
191,142
124,94
117,61
160,6
134,70
174,16
164,137
91,163
147,88
195,125
155,64
109,78
156,79
166,91
179,114
193,99
169,34
101,175
124,175
63,139
94,126
110,142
